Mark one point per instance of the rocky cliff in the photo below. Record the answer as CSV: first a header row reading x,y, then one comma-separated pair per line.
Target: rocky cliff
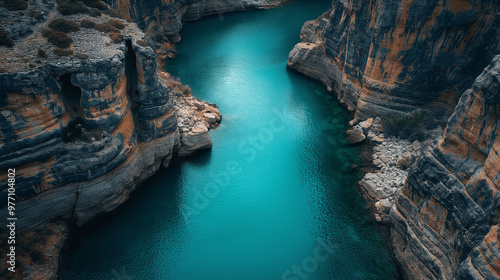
x,y
390,57
384,57
447,217
162,20
86,114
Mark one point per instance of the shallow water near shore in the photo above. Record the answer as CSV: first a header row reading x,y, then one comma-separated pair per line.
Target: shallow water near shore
x,y
273,199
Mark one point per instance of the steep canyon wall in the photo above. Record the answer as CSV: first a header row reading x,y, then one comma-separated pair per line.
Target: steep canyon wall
x,y
392,57
382,57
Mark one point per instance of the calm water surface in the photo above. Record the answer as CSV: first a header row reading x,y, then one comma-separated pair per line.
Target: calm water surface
x,y
274,192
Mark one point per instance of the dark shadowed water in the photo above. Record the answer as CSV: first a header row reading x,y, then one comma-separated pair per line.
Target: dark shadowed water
x,y
273,199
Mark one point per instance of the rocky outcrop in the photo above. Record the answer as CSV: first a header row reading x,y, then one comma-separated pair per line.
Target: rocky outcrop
x,y
82,131
162,20
194,117
446,218
391,159
386,57
83,126
390,57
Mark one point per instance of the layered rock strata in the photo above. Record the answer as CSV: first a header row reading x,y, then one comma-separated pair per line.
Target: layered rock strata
x,y
386,57
83,126
82,131
446,218
390,57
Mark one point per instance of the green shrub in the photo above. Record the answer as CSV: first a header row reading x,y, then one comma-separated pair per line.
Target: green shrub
x,y
114,13
106,27
16,5
87,23
95,4
406,126
5,39
64,25
82,55
71,7
142,43
116,37
116,23
41,53
34,14
96,12
60,39
62,52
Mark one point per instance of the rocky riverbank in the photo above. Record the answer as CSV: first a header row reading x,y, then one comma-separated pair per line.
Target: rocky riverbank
x,y
443,208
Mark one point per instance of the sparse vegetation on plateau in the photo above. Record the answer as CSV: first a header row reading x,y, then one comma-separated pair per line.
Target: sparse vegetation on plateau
x,y
58,38
117,37
106,27
411,126
96,12
34,14
16,5
114,13
68,7
87,23
116,23
5,39
82,55
62,52
64,25
95,4
142,43
41,53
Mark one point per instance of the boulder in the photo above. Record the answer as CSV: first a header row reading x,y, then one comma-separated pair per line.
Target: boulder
x,y
195,140
355,135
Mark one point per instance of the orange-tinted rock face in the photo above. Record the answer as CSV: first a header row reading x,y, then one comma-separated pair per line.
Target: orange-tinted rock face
x,y
37,252
384,57
397,56
446,218
82,135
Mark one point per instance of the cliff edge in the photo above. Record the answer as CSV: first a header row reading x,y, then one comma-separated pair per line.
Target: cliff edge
x,y
385,59
446,218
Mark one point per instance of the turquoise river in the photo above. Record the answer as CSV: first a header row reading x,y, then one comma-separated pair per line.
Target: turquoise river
x,y
273,199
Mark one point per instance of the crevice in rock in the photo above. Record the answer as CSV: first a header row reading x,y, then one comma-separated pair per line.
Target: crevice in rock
x,y
131,75
71,96
77,129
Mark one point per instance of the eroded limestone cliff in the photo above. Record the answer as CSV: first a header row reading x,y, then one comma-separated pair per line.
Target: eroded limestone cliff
x,y
391,57
86,114
383,57
447,216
